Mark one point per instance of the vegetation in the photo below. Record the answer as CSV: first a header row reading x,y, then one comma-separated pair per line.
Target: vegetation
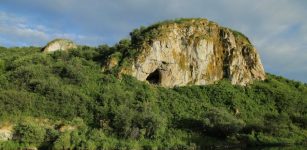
x,y
157,30
62,100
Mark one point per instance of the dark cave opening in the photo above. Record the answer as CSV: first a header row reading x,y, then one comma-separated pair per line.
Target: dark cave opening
x,y
154,77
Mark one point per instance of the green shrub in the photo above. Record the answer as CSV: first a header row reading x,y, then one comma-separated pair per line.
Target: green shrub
x,y
30,134
51,135
300,120
63,141
9,145
220,123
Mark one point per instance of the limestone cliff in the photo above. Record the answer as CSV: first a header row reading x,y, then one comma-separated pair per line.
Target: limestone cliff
x,y
59,45
191,51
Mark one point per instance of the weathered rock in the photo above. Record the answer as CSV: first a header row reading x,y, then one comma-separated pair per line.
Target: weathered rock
x,y
5,134
65,128
59,45
30,148
192,52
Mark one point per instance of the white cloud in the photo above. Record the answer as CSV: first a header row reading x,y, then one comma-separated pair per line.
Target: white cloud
x,y
15,30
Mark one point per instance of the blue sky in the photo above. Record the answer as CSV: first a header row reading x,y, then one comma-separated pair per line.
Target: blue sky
x,y
278,28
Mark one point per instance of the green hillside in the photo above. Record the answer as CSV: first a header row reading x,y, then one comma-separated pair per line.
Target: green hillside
x,y
64,100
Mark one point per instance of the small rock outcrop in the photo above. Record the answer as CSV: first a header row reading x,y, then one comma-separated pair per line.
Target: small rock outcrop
x,y
191,52
6,133
59,45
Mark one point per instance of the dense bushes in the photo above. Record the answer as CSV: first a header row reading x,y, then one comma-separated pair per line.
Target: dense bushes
x,y
220,123
30,134
125,113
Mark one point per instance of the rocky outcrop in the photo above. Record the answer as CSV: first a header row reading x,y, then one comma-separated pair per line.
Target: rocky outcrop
x,y
59,45
6,133
192,52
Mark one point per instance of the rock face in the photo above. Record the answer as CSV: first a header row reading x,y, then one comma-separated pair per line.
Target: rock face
x,y
59,45
193,52
5,134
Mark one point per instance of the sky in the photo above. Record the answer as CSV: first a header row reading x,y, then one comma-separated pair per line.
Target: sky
x,y
277,28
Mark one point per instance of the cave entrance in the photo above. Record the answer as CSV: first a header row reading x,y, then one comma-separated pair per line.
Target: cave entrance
x,y
154,77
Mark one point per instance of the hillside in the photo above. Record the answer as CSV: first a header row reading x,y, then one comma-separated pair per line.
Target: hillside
x,y
74,99
189,52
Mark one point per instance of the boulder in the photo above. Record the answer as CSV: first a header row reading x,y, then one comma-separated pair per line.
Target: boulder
x,y
59,45
5,135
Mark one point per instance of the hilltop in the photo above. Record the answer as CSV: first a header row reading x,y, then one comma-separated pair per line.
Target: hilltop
x,y
87,98
189,52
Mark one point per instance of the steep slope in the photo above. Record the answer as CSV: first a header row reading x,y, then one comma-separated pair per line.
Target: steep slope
x,y
192,51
